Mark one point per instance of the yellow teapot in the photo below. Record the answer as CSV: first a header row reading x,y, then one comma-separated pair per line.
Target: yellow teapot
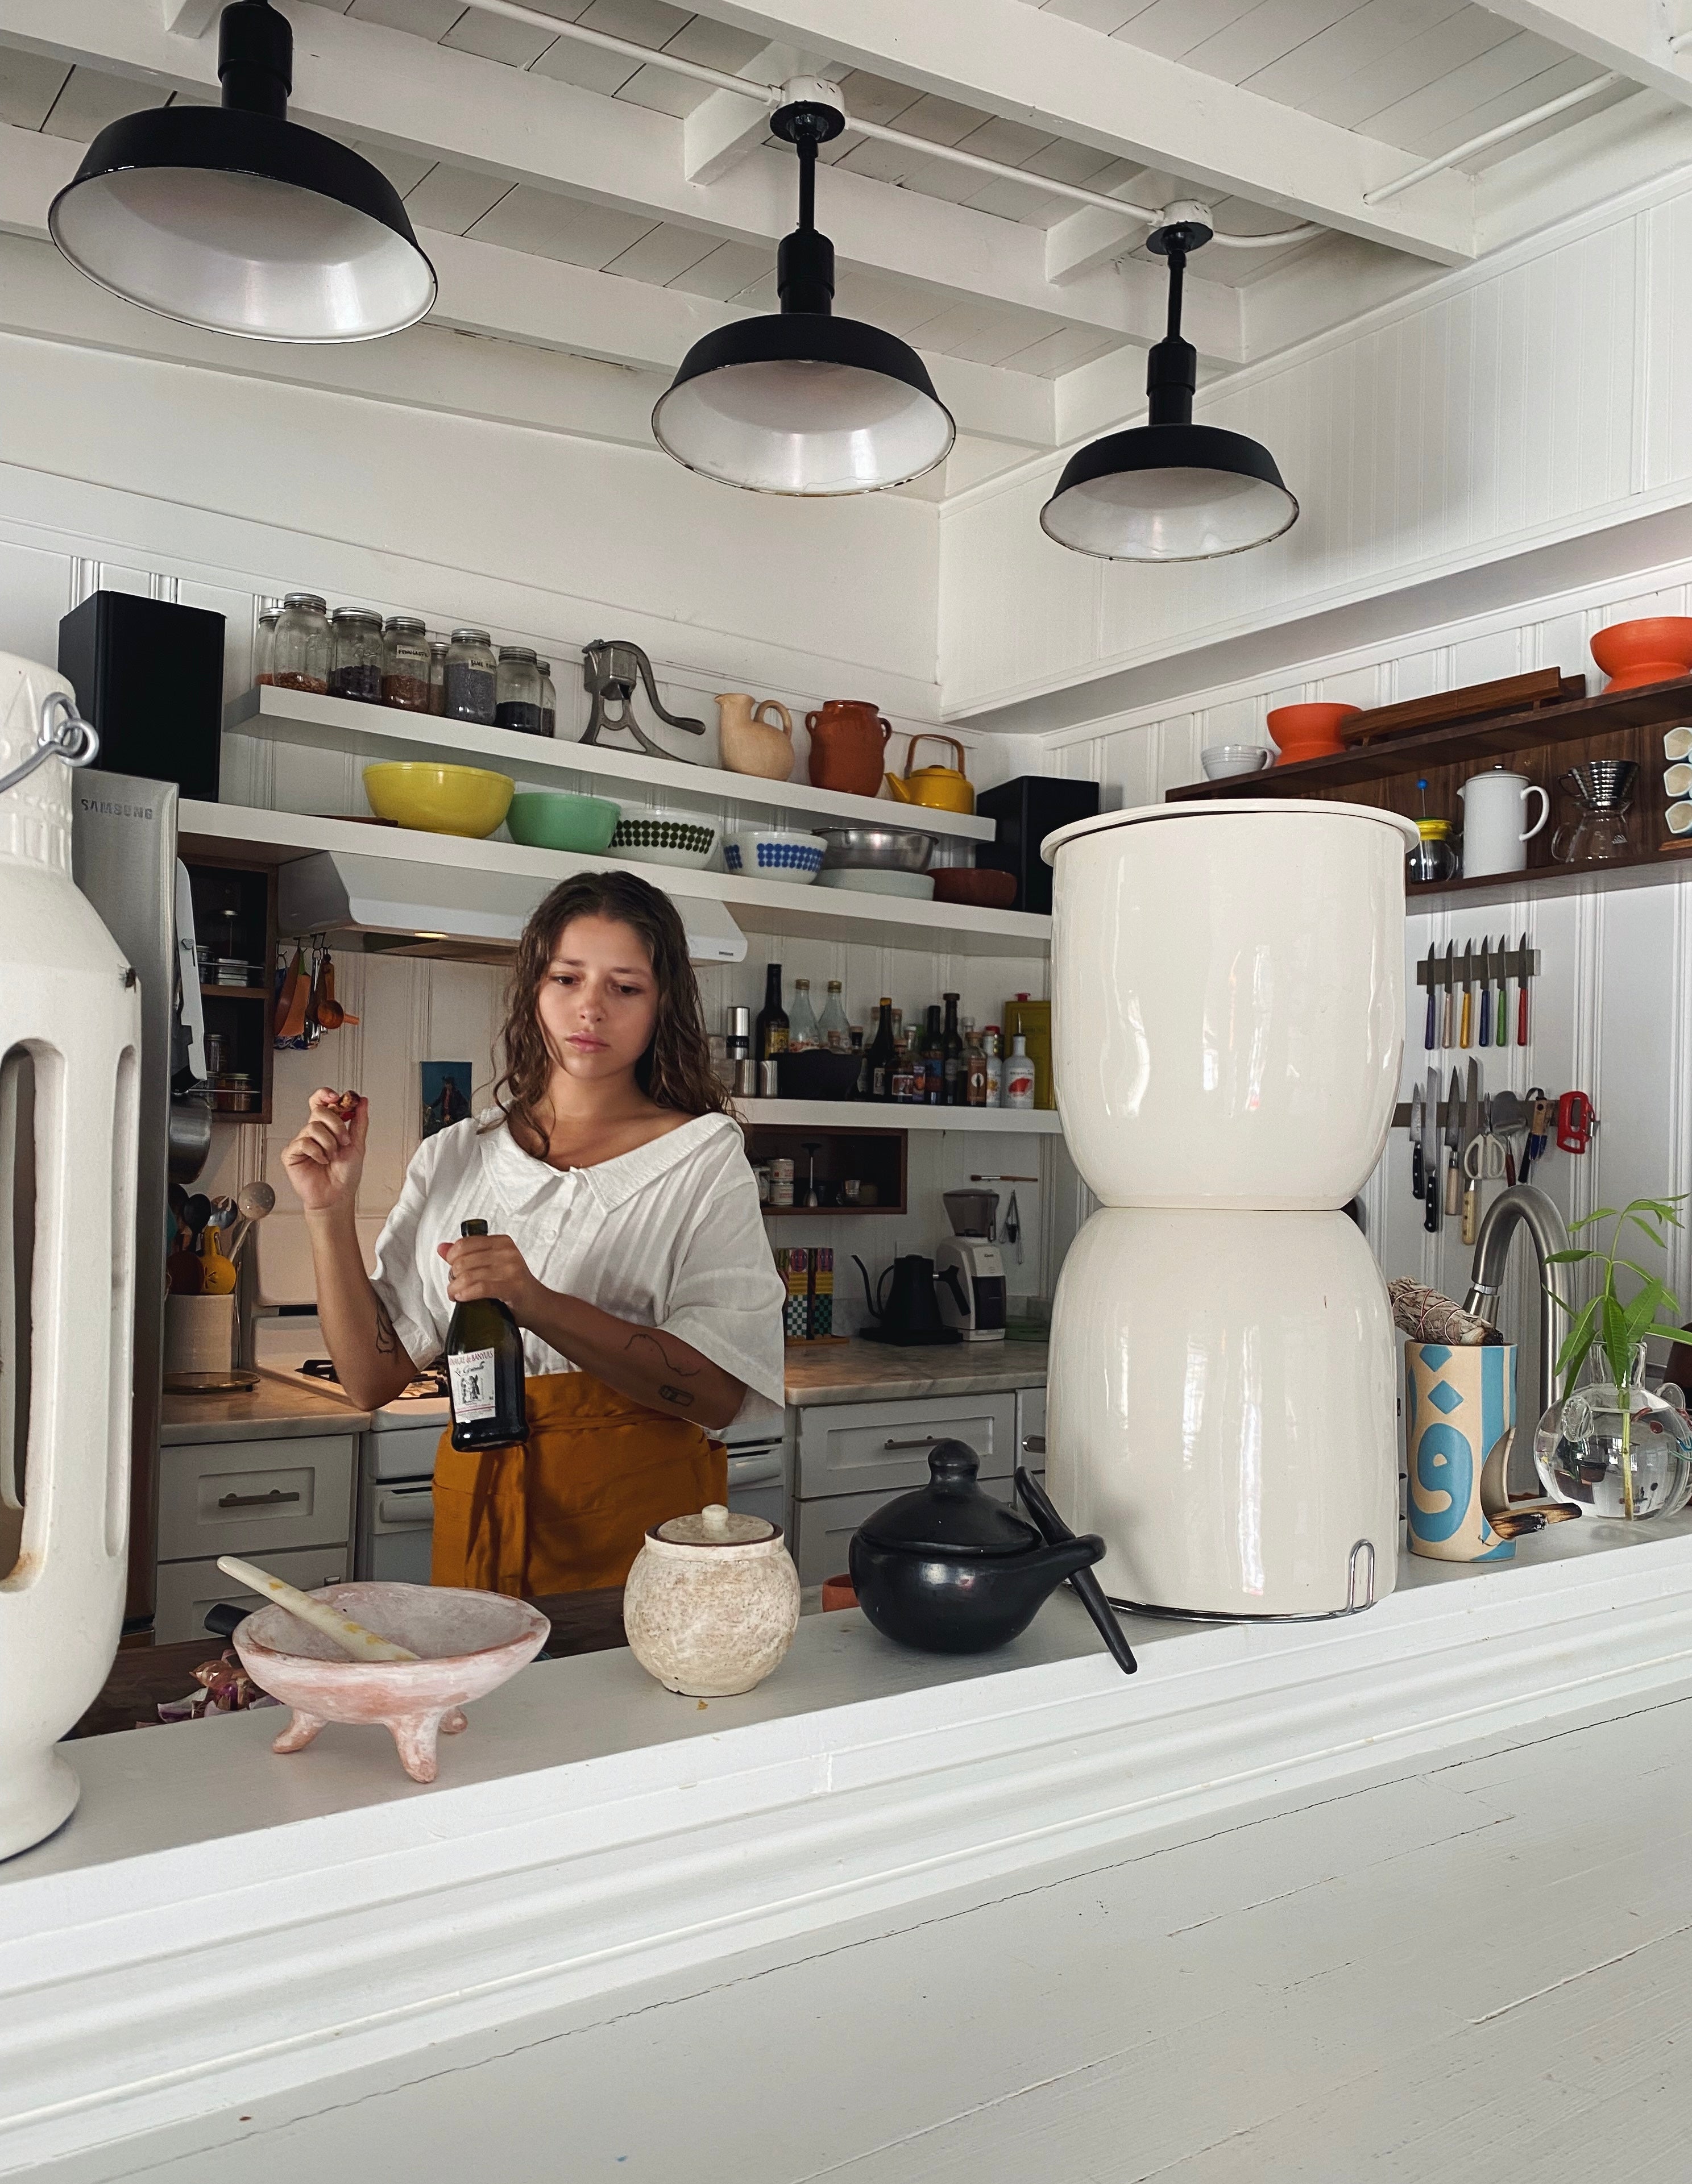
x,y
940,787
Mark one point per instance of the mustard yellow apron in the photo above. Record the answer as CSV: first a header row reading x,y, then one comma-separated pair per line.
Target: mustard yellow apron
x,y
566,1510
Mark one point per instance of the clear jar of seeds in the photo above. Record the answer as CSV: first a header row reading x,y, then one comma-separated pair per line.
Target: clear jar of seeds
x,y
406,668
472,677
359,655
301,650
517,695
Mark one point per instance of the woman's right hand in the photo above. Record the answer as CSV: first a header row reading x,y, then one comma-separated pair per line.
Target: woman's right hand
x,y
324,1161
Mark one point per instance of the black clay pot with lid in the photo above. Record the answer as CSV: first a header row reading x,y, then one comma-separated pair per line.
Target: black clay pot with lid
x,y
946,1569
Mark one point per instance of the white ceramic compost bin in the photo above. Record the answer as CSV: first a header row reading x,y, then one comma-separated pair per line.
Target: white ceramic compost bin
x,y
1227,1024
1227,999
67,1004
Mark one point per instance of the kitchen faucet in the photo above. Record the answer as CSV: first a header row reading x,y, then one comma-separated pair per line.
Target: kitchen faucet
x,y
1522,1207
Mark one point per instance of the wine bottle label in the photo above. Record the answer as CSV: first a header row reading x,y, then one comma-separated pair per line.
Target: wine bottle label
x,y
472,1374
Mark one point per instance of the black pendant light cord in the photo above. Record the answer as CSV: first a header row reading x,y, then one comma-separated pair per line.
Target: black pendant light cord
x,y
1172,365
805,262
806,146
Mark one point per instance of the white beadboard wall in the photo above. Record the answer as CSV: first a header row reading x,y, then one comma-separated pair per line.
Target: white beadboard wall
x,y
1527,400
1610,1013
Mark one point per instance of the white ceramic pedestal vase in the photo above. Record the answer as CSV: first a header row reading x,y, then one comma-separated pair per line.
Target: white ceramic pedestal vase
x,y
66,999
1226,1026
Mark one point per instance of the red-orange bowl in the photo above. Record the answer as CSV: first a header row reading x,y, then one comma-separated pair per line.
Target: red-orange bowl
x,y
1655,650
1309,730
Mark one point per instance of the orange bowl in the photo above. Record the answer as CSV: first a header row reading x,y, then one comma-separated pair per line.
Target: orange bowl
x,y
977,887
1309,730
1655,650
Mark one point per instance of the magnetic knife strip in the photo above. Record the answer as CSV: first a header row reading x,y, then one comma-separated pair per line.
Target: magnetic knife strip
x,y
1488,966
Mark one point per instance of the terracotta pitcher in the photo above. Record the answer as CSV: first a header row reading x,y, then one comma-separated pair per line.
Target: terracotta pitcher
x,y
847,738
751,744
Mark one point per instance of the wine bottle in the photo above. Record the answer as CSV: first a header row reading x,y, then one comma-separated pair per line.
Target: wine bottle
x,y
952,1057
771,1028
934,1059
883,1054
484,1368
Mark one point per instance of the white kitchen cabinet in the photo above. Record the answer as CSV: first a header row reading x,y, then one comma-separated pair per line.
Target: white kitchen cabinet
x,y
851,1448
250,1497
1030,1430
187,1589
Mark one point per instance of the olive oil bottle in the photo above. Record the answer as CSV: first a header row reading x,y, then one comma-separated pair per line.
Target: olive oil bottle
x,y
484,1367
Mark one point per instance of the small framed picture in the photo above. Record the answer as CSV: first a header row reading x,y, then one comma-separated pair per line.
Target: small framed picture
x,y
446,1094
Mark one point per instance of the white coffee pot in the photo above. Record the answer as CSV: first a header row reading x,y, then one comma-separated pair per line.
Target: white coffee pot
x,y
1494,804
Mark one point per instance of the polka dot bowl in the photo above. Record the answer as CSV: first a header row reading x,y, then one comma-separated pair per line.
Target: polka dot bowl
x,y
775,853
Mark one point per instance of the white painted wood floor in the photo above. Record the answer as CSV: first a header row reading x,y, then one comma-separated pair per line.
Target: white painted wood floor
x,y
1472,1971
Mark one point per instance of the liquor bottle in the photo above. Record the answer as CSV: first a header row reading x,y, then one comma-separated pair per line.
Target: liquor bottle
x,y
883,1054
990,1048
484,1370
771,1028
974,1068
934,1059
801,1020
906,1065
951,1052
1019,1075
832,1026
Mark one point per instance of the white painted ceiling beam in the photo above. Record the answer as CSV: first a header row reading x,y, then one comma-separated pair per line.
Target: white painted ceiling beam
x,y
1631,36
1033,65
190,19
728,128
390,88
1087,241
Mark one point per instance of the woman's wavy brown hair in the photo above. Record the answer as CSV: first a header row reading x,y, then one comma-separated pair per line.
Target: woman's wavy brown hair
x,y
675,1070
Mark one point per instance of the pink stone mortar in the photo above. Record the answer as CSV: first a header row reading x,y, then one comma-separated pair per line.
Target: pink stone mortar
x,y
467,1644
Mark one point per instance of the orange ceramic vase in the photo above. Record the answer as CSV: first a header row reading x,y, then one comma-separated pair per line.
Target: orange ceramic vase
x,y
1655,650
847,738
1309,730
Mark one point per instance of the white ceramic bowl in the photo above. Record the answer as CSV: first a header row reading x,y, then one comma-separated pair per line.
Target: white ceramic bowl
x,y
872,879
775,853
651,839
1222,761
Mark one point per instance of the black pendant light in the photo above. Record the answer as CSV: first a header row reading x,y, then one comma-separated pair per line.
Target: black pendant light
x,y
234,218
1170,490
802,402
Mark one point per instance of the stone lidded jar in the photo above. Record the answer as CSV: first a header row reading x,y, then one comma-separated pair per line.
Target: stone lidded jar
x,y
712,1603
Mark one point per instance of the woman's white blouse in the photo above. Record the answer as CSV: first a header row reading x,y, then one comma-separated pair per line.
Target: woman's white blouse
x,y
669,1235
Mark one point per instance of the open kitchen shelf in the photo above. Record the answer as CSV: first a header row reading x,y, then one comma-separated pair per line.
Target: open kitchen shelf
x,y
1542,743
222,881
445,873
856,1116
382,731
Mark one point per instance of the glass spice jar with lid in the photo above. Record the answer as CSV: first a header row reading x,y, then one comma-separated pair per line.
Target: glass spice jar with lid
x,y
355,671
301,649
548,699
471,676
517,698
264,645
405,669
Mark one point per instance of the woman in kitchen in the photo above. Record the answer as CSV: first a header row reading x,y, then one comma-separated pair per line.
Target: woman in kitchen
x,y
631,1252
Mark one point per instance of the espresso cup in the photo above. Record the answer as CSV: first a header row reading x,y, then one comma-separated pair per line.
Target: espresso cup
x,y
1677,742
1678,781
1679,818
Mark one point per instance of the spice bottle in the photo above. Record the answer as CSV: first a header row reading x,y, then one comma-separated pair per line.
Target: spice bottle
x,y
974,1068
359,657
405,669
516,703
1019,1075
300,655
264,645
472,677
995,1067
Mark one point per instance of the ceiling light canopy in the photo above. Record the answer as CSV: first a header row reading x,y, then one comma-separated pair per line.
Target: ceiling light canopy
x,y
802,402
1170,490
236,219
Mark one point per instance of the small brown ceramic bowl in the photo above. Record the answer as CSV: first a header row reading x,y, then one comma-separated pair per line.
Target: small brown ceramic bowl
x,y
978,889
467,1644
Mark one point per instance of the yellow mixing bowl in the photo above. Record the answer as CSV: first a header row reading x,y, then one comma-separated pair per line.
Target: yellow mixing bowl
x,y
439,800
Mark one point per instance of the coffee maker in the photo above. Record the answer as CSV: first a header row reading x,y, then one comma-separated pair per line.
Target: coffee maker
x,y
968,1270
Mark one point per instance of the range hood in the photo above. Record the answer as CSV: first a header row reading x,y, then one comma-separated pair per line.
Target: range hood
x,y
462,914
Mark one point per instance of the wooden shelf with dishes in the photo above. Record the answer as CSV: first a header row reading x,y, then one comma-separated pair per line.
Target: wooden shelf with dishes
x,y
379,733
235,909
1542,743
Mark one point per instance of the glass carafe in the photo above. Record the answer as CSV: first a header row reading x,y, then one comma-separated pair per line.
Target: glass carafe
x,y
1601,790
1618,1449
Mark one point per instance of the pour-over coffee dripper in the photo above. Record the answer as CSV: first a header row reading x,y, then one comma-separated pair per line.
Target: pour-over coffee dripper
x,y
1602,789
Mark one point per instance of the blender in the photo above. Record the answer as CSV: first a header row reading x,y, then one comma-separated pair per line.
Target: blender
x,y
968,1270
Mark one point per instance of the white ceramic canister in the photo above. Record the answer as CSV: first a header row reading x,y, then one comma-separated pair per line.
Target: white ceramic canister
x,y
1227,998
712,1603
1495,829
68,1001
1221,1408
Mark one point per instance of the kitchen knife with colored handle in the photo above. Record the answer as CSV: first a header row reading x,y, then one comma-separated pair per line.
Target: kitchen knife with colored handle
x,y
1430,1153
1522,1000
1500,1015
1416,1142
1430,1029
1465,1014
1454,1135
1483,1035
1449,1026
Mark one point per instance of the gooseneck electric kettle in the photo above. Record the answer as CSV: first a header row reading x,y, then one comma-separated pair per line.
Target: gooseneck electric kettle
x,y
906,1313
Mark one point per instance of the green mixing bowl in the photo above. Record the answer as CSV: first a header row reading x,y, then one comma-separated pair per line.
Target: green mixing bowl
x,y
548,819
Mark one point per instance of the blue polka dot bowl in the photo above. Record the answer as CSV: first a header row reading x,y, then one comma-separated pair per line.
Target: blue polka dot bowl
x,y
774,853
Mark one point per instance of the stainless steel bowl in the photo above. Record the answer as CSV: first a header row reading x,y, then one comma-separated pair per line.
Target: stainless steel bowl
x,y
876,848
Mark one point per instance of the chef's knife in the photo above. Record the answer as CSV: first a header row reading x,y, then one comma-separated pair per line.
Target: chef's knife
x,y
1416,1141
1454,1139
1430,1152
1430,1029
1471,1131
1500,1015
1449,1025
1466,1017
1484,1036
1522,1002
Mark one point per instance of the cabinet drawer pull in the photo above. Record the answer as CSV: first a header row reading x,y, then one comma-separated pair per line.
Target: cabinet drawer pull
x,y
256,1500
927,1441
1034,1444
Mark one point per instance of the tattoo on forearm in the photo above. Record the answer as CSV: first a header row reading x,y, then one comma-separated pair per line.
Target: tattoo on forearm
x,y
667,1361
387,1340
679,1396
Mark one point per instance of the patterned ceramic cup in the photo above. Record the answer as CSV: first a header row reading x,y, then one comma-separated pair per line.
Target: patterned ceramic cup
x,y
1459,1416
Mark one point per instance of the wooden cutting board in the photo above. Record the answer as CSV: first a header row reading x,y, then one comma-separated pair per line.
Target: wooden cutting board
x,y
1476,701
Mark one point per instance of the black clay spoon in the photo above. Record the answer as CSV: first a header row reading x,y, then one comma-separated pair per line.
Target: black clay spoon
x,y
1090,1592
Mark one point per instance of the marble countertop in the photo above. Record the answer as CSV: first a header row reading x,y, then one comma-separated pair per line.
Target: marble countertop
x,y
875,1372
276,1409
